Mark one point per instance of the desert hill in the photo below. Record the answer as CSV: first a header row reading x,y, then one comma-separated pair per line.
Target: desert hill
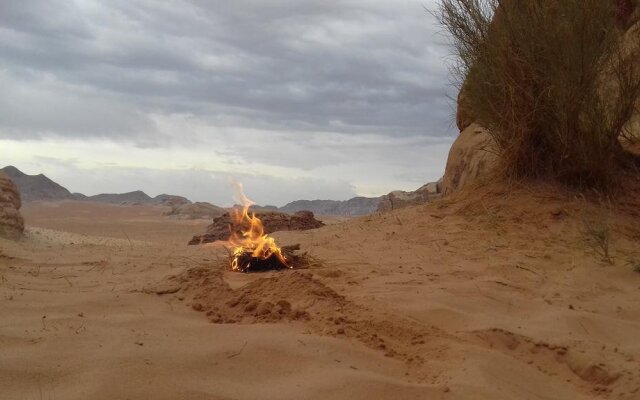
x,y
41,188
36,187
195,210
352,207
137,196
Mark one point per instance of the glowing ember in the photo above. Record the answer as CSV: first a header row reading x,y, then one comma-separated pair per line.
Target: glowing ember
x,y
251,248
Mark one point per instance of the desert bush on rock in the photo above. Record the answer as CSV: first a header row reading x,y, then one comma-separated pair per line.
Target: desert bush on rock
x,y
551,80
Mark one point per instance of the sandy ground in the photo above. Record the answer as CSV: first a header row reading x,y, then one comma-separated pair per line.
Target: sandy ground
x,y
502,296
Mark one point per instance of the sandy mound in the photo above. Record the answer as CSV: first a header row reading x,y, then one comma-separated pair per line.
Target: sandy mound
x,y
11,222
298,297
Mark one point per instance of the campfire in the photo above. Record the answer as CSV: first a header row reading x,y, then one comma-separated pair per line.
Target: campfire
x,y
250,248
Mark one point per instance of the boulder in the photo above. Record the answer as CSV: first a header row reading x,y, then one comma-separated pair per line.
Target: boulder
x,y
221,227
11,222
400,199
472,156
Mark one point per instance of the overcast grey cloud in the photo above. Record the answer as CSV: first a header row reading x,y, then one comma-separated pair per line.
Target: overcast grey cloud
x,y
312,91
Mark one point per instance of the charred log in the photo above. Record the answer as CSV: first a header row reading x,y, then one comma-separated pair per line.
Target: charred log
x,y
248,263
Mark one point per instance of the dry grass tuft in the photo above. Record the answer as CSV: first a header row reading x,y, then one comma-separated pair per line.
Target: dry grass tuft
x,y
598,236
635,265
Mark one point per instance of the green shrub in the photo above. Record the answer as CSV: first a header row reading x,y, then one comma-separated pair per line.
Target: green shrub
x,y
550,80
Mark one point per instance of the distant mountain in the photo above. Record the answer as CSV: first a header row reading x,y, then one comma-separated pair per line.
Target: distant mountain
x,y
79,196
195,211
352,207
137,196
170,200
39,187
36,187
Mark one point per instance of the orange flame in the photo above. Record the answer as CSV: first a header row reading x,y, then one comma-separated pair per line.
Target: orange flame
x,y
251,237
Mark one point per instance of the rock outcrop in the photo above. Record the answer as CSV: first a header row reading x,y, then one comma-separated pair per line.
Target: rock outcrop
x,y
472,156
400,199
196,210
11,222
221,227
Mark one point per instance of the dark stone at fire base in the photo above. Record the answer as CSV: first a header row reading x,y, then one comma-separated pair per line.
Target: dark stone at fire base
x,y
271,221
247,263
295,260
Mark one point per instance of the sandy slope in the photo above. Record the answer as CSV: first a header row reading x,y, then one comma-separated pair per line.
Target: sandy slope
x,y
499,296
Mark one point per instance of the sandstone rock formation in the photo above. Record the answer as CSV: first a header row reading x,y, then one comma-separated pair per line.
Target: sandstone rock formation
x,y
195,211
472,155
11,222
399,199
221,227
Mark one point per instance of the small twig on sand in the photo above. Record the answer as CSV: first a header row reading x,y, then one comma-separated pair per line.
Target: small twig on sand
x,y
527,269
127,236
237,353
583,327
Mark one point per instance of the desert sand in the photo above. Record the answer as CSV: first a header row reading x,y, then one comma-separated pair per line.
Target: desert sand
x,y
496,294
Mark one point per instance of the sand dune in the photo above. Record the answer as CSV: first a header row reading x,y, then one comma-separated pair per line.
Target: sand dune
x,y
457,299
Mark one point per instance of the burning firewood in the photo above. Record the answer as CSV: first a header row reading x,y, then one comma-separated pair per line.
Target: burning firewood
x,y
250,249
246,262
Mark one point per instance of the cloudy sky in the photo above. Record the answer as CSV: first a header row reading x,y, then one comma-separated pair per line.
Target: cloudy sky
x,y
296,99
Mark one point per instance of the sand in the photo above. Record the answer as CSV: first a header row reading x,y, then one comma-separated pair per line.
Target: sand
x,y
498,296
